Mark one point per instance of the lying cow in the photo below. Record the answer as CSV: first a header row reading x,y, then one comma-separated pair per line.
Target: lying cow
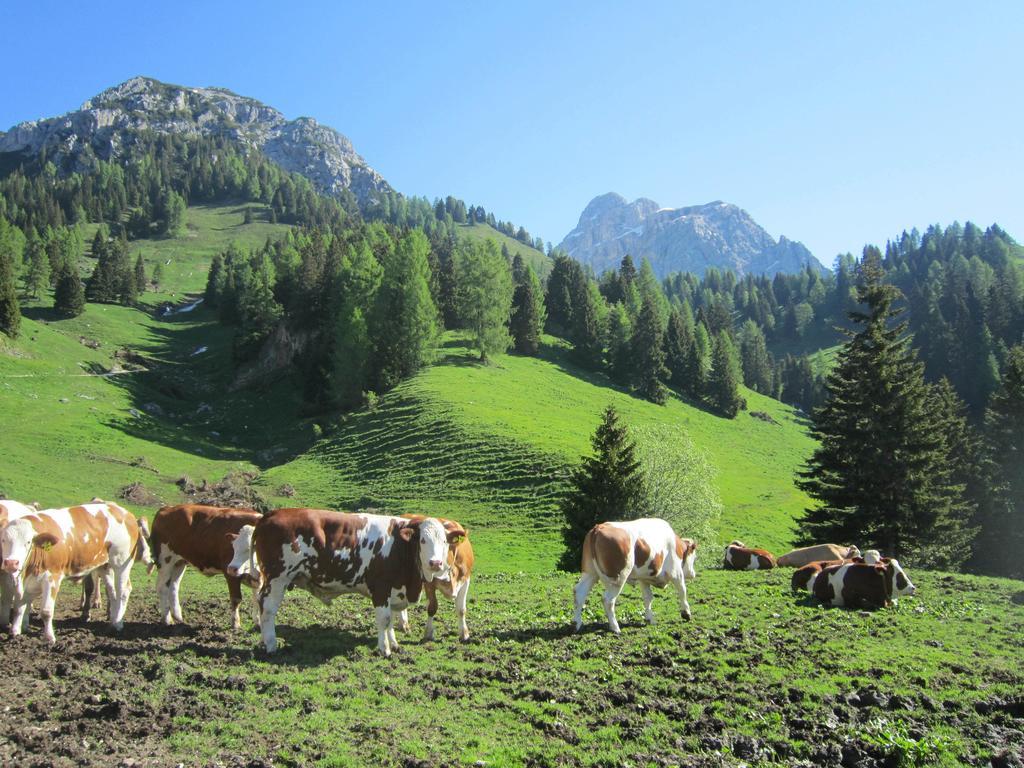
x,y
460,564
9,510
803,578
40,550
819,552
645,551
200,536
862,585
328,554
739,557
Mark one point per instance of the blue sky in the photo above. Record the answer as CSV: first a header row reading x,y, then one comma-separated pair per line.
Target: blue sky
x,y
834,123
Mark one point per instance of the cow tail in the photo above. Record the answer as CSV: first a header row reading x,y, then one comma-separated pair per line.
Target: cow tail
x,y
142,549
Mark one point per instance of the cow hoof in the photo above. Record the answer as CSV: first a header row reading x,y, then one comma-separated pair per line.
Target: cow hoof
x,y
464,638
687,616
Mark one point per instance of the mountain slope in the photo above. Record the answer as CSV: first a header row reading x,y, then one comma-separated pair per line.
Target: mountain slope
x,y
680,239
104,126
540,262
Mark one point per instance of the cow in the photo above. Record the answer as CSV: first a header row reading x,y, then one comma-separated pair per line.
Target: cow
x,y
327,553
644,551
819,552
203,537
9,510
739,557
862,585
803,578
460,563
42,549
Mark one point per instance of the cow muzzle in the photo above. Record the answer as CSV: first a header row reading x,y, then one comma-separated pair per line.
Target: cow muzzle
x,y
435,565
233,571
11,566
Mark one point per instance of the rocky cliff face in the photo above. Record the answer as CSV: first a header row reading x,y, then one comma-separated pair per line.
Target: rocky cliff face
x,y
680,239
321,154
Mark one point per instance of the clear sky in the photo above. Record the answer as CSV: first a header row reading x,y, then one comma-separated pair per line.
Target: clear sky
x,y
834,123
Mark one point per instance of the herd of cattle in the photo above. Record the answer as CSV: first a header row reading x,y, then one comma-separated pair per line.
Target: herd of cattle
x,y
390,559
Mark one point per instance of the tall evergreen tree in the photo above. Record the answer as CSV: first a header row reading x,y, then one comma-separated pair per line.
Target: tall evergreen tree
x,y
649,353
586,328
755,358
352,345
723,383
1001,538
881,474
140,274
37,276
558,298
698,362
485,295
528,313
405,318
606,486
69,294
678,342
10,311
620,344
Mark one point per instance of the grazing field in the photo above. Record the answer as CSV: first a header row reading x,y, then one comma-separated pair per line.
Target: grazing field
x,y
541,263
758,677
122,395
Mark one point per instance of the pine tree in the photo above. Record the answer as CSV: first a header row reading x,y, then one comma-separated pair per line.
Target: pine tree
x,y
755,359
558,298
158,275
485,295
678,344
404,317
528,313
650,373
606,486
698,362
723,383
37,276
880,475
998,546
140,275
351,353
214,281
69,294
586,330
620,344
10,311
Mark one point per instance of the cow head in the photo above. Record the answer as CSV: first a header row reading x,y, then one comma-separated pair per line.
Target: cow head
x,y
689,558
242,562
433,540
853,552
17,542
898,581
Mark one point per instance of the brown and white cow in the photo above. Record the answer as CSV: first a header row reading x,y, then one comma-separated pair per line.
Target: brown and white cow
x,y
200,536
42,549
646,552
739,557
803,578
862,585
456,586
819,552
327,553
9,510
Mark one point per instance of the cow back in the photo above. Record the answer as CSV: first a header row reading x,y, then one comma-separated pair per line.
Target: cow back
x,y
199,534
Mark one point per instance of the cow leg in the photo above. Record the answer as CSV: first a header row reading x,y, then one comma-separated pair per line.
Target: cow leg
x,y
21,597
47,598
168,581
583,587
680,584
235,593
107,575
648,599
428,630
383,625
90,591
611,593
121,578
271,595
6,599
403,620
460,610
175,591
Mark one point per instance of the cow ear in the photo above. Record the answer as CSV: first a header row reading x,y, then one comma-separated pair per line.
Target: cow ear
x,y
409,532
455,535
44,540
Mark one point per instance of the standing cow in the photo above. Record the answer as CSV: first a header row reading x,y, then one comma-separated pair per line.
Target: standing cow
x,y
801,557
645,551
9,510
40,550
456,586
739,557
200,536
329,553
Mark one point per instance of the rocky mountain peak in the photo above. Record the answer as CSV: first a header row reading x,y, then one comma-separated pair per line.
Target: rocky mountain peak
x,y
690,239
106,122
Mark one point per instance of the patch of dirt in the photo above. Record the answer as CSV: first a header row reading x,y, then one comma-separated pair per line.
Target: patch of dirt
x,y
137,493
235,489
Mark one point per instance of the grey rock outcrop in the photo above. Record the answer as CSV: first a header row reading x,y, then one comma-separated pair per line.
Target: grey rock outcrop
x,y
680,239
104,123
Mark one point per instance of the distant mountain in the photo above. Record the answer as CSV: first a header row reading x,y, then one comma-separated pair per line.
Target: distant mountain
x,y
680,239
104,126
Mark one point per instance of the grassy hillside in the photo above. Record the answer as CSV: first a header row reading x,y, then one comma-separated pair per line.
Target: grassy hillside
x,y
541,264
